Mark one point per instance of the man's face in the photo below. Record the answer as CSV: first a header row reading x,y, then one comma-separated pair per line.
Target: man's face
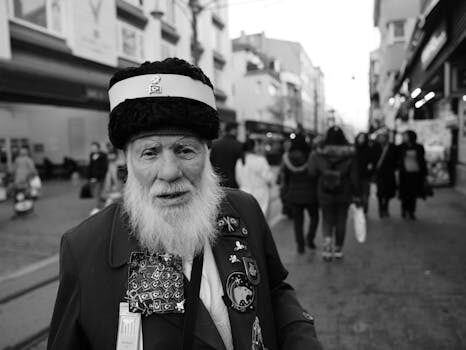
x,y
169,167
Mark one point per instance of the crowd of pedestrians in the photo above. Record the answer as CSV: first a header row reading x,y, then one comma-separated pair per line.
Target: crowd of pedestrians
x,y
324,176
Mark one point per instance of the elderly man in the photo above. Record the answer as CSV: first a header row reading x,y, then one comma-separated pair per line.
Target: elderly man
x,y
181,263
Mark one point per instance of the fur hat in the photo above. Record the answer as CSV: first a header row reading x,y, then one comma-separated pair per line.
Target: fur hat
x,y
162,114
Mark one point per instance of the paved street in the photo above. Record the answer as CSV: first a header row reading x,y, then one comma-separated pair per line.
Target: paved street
x,y
402,289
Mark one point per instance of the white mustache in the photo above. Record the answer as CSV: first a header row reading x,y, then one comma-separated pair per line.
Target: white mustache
x,y
163,188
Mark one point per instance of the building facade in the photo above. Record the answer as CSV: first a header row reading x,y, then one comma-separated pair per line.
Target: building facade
x,y
432,85
302,82
257,94
395,20
57,56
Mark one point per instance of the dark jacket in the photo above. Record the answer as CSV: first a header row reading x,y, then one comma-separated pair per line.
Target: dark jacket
x,y
340,159
93,281
224,154
301,188
385,170
98,165
365,157
412,184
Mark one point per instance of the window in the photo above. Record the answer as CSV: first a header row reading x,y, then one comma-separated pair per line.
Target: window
x,y
218,39
42,14
218,81
397,31
137,3
131,42
170,12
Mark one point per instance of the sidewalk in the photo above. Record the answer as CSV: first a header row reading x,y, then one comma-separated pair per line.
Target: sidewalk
x,y
404,288
24,241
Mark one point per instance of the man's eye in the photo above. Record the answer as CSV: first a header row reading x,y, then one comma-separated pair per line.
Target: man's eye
x,y
187,152
148,153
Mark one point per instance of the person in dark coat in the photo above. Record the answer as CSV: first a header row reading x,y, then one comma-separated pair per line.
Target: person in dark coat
x,y
412,173
181,263
335,167
365,159
301,192
224,154
385,168
97,171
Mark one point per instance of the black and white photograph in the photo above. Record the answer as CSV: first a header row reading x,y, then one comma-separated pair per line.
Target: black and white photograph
x,y
232,175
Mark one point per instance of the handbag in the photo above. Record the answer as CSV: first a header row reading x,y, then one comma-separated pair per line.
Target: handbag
x,y
359,223
85,192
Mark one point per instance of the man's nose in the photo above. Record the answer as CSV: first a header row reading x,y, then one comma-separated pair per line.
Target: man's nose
x,y
169,168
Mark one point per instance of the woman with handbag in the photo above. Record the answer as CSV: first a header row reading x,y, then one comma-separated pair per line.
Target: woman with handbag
x,y
412,173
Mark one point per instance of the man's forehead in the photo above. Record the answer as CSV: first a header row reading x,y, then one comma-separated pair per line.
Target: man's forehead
x,y
166,140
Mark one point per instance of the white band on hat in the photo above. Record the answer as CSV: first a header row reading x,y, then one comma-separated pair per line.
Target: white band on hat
x,y
161,85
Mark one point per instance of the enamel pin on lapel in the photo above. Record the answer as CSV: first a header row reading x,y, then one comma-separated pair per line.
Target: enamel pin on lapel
x,y
257,340
252,271
240,292
233,259
228,224
239,246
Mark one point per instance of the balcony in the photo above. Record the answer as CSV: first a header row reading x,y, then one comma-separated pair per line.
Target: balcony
x,y
131,13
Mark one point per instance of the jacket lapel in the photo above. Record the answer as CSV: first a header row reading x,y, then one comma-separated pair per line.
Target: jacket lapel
x,y
241,322
120,247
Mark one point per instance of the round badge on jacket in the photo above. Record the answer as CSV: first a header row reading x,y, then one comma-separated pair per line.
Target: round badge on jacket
x,y
240,292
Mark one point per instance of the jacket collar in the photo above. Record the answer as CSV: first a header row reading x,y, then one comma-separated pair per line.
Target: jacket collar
x,y
241,323
122,243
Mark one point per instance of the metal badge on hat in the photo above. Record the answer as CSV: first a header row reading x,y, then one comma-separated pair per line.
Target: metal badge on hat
x,y
155,283
154,87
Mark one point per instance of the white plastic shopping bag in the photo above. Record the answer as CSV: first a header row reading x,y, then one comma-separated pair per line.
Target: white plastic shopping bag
x,y
35,186
359,223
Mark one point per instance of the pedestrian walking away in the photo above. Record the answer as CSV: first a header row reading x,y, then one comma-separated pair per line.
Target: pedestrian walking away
x,y
301,192
97,171
412,173
182,262
385,178
224,155
24,171
286,207
253,174
365,158
336,168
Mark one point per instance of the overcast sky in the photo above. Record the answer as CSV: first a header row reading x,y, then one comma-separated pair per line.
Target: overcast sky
x,y
336,34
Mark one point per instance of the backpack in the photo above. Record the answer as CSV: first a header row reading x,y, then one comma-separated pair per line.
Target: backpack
x,y
332,179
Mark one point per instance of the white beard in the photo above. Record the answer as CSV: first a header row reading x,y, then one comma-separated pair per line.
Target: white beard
x,y
181,230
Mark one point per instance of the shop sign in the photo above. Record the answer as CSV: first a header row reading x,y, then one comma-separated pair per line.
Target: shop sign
x,y
94,30
434,45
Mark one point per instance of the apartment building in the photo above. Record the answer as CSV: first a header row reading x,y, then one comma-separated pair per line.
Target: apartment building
x,y
56,58
302,82
395,20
